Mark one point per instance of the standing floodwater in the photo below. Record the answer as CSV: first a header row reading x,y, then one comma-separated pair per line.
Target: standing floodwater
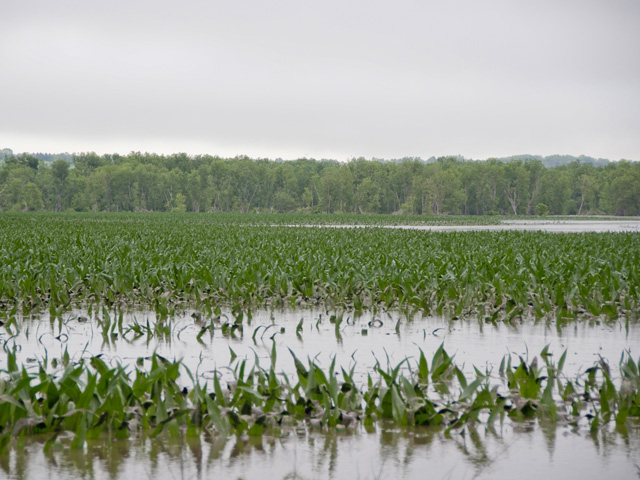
x,y
556,449
189,346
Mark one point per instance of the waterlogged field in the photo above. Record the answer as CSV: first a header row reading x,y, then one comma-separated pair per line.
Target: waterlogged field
x,y
318,394
181,346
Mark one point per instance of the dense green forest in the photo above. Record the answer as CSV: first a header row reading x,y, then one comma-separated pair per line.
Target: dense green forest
x,y
445,186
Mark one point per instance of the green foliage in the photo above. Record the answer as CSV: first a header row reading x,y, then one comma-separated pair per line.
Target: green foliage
x,y
542,210
92,399
446,186
174,261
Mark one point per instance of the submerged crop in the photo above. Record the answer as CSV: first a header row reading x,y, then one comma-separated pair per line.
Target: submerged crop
x,y
89,398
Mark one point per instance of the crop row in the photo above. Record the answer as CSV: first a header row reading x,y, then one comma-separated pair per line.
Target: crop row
x,y
269,218
174,261
89,398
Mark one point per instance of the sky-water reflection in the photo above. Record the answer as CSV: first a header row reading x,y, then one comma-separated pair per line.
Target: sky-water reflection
x,y
555,225
528,450
510,451
359,341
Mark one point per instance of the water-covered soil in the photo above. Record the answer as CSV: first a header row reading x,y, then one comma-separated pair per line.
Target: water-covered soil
x,y
559,225
205,344
513,451
504,450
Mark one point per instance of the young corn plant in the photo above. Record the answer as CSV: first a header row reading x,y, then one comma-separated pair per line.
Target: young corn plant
x,y
89,398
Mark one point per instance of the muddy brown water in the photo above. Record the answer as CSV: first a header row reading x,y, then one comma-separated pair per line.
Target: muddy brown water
x,y
505,451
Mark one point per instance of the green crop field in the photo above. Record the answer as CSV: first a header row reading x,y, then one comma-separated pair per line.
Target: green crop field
x,y
172,263
168,262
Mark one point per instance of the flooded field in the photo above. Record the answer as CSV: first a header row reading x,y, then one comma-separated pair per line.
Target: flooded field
x,y
502,450
319,334
525,452
193,346
537,225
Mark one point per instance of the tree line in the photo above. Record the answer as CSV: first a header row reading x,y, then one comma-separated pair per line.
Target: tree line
x,y
204,183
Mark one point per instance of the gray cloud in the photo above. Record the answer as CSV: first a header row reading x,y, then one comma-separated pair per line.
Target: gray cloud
x,y
334,79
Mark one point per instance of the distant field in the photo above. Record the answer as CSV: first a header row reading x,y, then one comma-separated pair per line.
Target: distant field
x,y
262,218
173,261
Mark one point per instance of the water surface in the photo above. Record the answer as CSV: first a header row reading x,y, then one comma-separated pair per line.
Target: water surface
x,y
360,340
627,224
511,450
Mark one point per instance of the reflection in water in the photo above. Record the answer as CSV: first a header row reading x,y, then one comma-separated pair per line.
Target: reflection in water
x,y
627,224
520,451
389,334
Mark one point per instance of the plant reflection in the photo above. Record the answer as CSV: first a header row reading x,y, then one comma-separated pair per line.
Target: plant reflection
x,y
328,453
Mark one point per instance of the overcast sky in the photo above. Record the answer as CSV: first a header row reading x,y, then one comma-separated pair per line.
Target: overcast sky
x,y
330,79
